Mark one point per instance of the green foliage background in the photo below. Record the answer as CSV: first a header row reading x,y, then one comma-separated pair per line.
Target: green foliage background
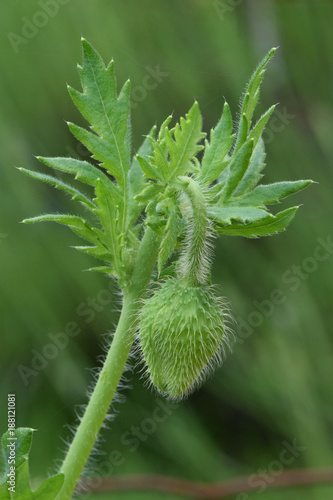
x,y
276,386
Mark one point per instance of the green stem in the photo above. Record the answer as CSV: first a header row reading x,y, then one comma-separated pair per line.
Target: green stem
x,y
112,370
194,265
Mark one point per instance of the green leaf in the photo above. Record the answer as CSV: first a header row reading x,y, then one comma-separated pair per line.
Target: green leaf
x,y
77,224
252,92
160,158
243,129
224,215
164,128
272,193
260,125
107,113
175,150
83,171
21,443
221,139
50,488
136,180
149,171
109,140
149,192
238,165
101,149
252,175
108,217
101,269
248,104
265,227
100,252
75,193
185,146
22,447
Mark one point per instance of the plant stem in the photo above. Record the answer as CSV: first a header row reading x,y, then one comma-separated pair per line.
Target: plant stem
x,y
194,265
113,368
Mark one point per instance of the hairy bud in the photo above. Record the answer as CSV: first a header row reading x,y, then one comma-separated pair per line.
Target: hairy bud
x,y
182,336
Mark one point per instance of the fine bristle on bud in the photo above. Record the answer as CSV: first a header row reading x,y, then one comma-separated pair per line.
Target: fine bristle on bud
x,y
182,336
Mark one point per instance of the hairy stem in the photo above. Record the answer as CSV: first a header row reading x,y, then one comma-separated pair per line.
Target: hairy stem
x,y
194,263
112,370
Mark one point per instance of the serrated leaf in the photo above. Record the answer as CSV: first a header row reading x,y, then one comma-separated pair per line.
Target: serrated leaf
x,y
237,168
224,215
148,169
106,211
50,488
109,220
175,150
22,442
101,269
68,220
252,175
53,181
164,128
248,104
136,180
107,113
221,139
268,194
253,88
160,157
100,252
77,224
101,150
264,227
185,145
260,125
149,192
242,131
83,171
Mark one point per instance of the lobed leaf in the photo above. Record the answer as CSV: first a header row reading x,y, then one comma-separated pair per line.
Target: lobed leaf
x,y
252,92
237,168
175,150
22,440
77,224
148,170
249,102
107,113
253,173
83,171
159,159
106,213
256,132
242,132
221,139
100,252
101,269
136,180
271,193
75,193
224,215
101,149
264,227
185,146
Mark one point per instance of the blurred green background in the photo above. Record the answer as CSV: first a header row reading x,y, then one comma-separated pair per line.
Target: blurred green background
x,y
276,387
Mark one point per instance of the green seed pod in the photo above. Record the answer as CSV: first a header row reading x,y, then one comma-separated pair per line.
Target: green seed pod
x,y
182,336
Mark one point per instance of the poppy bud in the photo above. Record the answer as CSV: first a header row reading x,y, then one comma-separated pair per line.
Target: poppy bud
x,y
182,336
